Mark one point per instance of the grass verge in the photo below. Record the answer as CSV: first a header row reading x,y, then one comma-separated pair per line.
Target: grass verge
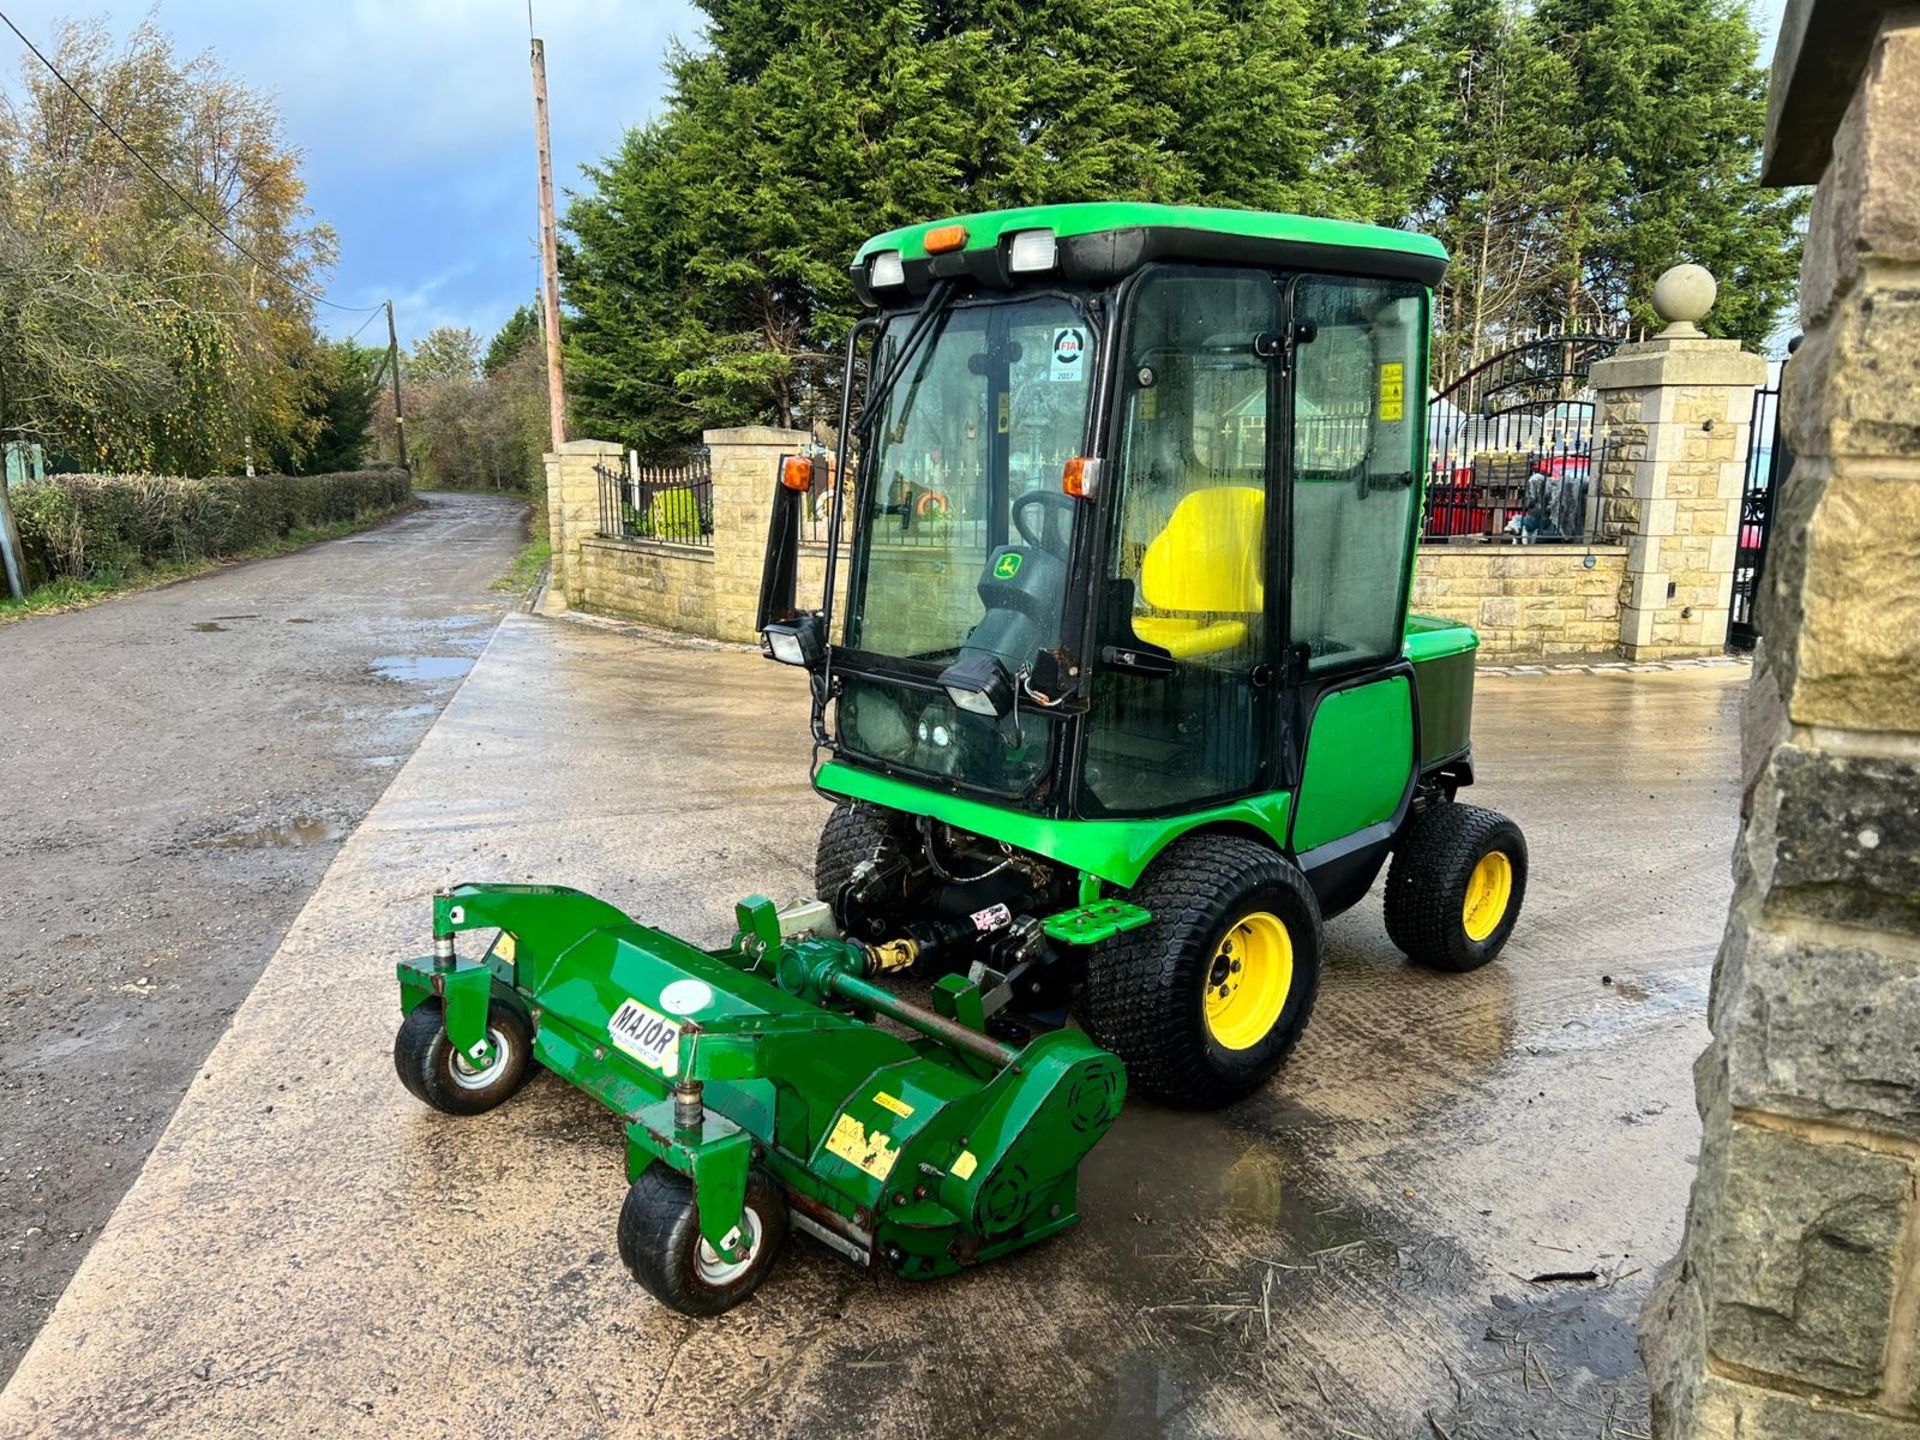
x,y
534,555
76,594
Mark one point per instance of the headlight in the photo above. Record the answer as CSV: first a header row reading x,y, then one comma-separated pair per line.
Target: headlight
x,y
1032,252
886,271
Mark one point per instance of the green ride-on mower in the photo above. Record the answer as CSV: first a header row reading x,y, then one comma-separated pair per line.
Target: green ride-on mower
x,y
1119,699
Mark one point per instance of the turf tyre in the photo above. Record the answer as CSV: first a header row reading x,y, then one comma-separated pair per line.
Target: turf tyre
x,y
660,1242
433,1074
1144,996
1427,885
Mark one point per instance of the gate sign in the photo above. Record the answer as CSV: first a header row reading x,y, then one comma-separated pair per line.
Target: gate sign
x,y
1069,354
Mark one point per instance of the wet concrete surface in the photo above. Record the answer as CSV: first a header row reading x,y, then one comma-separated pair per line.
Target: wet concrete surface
x,y
1349,1253
180,767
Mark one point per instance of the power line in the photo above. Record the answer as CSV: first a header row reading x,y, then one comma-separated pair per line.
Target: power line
x,y
174,190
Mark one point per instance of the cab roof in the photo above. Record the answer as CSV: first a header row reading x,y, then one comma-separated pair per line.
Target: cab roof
x,y
1099,242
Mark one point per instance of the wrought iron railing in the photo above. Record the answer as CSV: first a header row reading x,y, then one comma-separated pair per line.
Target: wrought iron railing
x,y
666,502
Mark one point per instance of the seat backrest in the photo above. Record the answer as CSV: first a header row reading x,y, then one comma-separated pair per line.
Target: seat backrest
x,y
1211,555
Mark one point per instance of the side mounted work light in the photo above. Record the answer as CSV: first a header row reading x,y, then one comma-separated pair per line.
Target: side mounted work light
x,y
798,641
979,685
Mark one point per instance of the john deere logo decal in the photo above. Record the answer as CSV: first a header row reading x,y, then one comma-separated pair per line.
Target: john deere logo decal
x,y
1007,566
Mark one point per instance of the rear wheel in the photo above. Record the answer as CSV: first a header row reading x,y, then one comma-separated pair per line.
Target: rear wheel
x,y
1208,1000
661,1243
1456,886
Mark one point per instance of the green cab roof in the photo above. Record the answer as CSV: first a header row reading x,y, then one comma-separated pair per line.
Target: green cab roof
x,y
1100,242
985,229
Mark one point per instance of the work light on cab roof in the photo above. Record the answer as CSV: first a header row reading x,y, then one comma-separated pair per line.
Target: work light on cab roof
x,y
1116,699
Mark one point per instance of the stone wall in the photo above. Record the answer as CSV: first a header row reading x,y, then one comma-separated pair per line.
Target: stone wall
x,y
1529,602
1794,1306
657,584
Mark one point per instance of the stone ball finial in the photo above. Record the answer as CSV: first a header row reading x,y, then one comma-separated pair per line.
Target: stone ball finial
x,y
1683,295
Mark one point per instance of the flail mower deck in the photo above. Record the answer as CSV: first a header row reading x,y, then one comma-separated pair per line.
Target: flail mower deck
x,y
755,1091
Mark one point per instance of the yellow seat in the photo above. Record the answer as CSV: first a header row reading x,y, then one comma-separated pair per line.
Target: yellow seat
x,y
1204,573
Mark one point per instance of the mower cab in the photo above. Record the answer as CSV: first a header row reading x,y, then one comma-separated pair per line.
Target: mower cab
x,y
1122,700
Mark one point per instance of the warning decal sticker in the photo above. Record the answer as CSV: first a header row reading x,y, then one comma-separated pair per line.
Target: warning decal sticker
x,y
1393,392
872,1152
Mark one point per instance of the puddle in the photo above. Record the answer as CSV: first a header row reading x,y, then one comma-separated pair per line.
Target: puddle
x,y
302,830
380,762
207,627
422,667
236,617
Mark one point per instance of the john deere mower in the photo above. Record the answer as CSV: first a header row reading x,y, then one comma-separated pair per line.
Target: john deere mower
x,y
1117,699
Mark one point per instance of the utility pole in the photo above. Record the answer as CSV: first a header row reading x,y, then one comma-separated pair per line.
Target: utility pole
x,y
393,360
549,250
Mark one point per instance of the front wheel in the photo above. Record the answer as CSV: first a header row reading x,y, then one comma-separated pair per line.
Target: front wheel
x,y
1207,1002
435,1073
1455,888
661,1243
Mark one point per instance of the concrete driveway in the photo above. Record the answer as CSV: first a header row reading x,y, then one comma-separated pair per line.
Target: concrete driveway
x,y
1359,1248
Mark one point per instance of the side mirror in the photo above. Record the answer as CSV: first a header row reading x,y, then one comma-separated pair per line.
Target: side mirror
x,y
779,576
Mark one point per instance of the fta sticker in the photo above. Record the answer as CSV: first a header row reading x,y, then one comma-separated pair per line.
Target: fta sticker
x,y
1069,355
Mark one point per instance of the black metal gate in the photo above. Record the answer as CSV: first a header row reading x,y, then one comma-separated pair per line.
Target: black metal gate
x,y
1768,465
1513,444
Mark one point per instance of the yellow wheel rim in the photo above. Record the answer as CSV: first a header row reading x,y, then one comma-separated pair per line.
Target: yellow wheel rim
x,y
1248,981
1489,889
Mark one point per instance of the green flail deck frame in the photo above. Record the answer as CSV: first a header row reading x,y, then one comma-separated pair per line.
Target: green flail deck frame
x,y
929,1152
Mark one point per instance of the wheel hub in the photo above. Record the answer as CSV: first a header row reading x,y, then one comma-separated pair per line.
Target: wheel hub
x,y
1489,890
1249,980
469,1076
715,1268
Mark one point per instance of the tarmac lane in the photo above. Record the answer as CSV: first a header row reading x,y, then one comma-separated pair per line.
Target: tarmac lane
x,y
1450,1204
178,767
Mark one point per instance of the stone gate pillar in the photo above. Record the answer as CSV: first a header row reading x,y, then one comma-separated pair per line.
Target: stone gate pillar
x,y
744,459
1793,1308
1675,412
573,511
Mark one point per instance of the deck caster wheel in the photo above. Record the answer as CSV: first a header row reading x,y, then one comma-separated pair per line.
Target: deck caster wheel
x,y
660,1241
1455,888
1208,1001
435,1075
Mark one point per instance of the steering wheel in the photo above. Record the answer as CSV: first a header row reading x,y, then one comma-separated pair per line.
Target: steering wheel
x,y
1055,530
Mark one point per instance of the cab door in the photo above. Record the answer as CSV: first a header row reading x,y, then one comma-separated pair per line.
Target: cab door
x,y
1355,411
1187,631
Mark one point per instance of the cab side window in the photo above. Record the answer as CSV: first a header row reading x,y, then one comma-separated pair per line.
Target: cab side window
x,y
1356,453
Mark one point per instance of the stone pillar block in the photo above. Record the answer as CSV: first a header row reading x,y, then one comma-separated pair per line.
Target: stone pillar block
x,y
1675,413
745,460
573,512
1794,1306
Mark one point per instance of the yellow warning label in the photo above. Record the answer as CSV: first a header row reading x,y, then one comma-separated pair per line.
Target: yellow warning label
x,y
503,947
893,1103
1393,391
1004,412
964,1164
873,1153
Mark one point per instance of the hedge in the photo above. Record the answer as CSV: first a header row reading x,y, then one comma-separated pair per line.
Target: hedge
x,y
83,527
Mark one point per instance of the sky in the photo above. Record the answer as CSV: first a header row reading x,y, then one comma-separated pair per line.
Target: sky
x,y
416,121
